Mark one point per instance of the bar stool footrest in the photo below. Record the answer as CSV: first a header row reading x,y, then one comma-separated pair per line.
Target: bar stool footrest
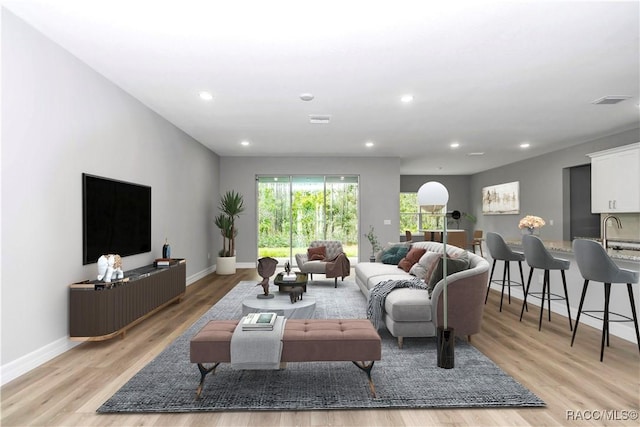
x,y
513,283
539,296
621,317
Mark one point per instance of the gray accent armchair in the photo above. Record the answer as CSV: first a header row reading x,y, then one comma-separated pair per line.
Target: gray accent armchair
x,y
334,265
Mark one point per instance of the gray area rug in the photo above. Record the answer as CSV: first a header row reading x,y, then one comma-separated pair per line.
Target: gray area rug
x,y
404,378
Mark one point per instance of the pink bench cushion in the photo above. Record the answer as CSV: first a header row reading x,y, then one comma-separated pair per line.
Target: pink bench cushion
x,y
309,340
330,340
213,342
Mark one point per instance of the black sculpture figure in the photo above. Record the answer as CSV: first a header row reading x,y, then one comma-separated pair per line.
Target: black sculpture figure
x,y
296,294
266,268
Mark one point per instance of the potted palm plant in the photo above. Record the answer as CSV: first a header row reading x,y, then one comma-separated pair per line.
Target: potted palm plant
x,y
231,206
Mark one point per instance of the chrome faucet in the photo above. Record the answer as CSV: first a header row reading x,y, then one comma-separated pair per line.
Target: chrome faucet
x,y
604,228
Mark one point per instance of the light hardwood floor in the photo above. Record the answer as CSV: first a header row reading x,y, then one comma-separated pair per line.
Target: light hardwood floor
x,y
572,381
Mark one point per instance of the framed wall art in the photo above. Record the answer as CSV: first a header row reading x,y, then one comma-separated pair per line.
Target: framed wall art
x,y
501,199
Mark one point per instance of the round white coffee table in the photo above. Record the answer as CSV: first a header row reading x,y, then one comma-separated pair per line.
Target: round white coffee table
x,y
281,304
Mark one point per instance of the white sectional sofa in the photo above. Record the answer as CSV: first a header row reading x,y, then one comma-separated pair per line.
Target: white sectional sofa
x,y
409,312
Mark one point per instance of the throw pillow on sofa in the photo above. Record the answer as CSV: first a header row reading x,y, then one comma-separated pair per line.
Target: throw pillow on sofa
x,y
394,255
317,254
412,257
425,265
454,265
390,245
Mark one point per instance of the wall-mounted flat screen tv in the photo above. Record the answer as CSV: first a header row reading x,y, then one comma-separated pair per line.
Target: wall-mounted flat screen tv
x,y
116,218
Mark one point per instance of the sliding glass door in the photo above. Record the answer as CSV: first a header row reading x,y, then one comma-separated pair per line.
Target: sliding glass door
x,y
294,210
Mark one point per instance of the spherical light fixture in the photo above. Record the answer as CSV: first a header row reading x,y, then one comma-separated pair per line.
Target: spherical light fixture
x,y
433,194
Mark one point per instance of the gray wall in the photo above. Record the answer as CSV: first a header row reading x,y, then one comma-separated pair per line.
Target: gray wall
x,y
542,189
60,118
379,189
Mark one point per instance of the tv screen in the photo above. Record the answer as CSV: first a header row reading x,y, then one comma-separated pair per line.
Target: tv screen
x,y
116,218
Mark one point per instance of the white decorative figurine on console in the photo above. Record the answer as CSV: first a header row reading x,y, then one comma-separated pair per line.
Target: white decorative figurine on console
x,y
110,267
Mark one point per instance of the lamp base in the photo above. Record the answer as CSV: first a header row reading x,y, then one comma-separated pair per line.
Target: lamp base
x,y
446,340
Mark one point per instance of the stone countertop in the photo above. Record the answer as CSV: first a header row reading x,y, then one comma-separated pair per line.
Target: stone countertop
x,y
565,246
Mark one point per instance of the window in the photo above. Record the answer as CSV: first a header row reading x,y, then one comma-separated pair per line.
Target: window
x,y
410,217
294,210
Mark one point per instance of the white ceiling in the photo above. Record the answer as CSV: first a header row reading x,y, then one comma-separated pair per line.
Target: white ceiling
x,y
489,75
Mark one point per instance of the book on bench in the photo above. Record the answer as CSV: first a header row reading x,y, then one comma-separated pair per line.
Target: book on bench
x,y
259,321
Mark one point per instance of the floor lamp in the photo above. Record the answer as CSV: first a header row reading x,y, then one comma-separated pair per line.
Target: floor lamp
x,y
433,196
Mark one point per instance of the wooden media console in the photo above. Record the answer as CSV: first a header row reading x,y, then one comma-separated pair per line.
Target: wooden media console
x,y
99,311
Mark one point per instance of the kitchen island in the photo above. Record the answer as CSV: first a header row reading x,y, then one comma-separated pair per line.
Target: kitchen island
x,y
564,246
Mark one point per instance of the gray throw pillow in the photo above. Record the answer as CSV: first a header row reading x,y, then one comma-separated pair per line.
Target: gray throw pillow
x,y
454,265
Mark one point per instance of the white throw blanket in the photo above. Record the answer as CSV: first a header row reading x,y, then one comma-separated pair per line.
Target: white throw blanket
x,y
257,349
379,293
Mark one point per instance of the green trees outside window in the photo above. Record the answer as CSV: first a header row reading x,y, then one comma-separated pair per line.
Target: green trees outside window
x,y
294,210
410,217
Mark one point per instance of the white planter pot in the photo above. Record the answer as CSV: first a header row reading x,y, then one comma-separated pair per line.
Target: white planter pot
x,y
226,265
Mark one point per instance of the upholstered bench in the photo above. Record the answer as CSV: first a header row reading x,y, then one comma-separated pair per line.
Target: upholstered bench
x,y
304,340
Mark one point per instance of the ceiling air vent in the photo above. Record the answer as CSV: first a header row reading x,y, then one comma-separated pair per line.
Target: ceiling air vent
x,y
320,119
609,100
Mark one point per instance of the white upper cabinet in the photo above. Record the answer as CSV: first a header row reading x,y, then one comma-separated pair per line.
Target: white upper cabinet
x,y
615,179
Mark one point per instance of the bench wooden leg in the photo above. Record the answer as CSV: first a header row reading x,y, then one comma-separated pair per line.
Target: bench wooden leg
x,y
203,373
400,342
367,367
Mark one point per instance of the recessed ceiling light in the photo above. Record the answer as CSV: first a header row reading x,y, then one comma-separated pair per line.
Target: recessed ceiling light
x,y
476,153
306,96
406,98
369,144
525,145
454,145
245,143
206,96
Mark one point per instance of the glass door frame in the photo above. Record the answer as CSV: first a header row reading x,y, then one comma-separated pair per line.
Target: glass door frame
x,y
319,231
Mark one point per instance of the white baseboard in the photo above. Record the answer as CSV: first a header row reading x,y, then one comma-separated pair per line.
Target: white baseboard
x,y
15,368
22,365
201,274
625,331
247,265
